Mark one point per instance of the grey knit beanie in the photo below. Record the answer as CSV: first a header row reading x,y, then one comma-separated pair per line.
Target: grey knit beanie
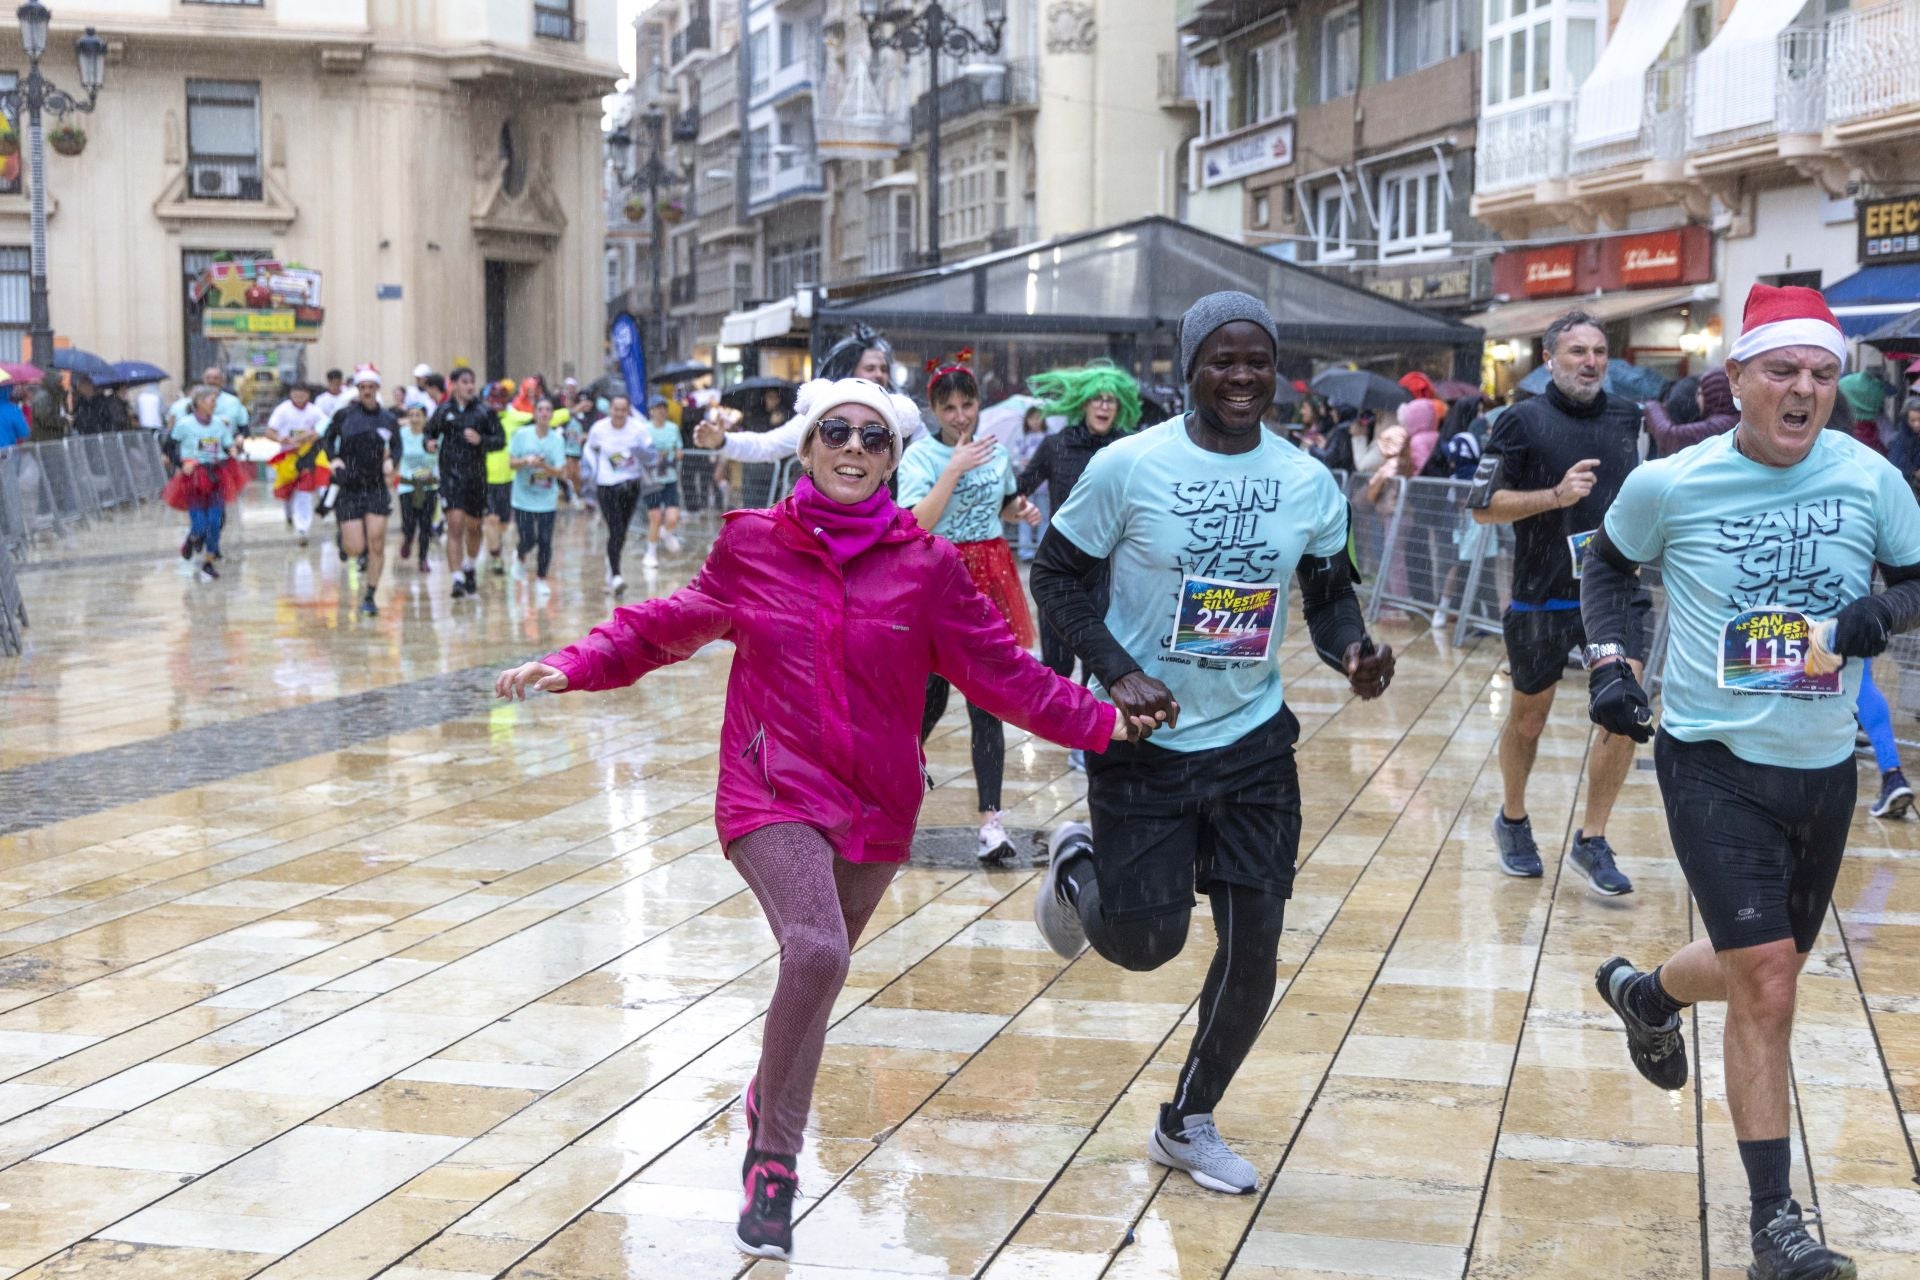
x,y
1214,310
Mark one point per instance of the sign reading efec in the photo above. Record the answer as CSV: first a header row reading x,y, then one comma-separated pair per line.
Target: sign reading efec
x,y
1890,229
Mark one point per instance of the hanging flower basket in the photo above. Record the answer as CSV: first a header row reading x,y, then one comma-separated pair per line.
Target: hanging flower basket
x,y
636,209
9,144
68,139
672,212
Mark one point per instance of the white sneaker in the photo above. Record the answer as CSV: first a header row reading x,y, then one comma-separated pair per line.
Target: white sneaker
x,y
673,543
995,849
517,569
1058,919
652,559
1203,1155
541,590
616,584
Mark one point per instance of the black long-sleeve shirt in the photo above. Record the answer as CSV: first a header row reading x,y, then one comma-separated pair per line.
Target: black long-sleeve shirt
x,y
1060,461
357,443
460,461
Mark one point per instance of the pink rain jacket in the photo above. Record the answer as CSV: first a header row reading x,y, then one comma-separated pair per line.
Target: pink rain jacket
x,y
829,676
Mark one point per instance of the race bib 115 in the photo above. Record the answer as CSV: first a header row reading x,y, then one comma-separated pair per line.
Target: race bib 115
x,y
1765,651
1227,620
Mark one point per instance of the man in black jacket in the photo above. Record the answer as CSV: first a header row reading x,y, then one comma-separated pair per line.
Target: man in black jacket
x,y
1551,470
1057,464
362,444
467,431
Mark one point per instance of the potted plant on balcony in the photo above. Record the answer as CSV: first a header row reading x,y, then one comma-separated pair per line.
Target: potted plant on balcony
x,y
635,209
672,212
68,139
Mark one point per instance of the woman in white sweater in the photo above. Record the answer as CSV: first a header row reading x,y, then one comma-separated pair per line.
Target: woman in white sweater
x,y
862,354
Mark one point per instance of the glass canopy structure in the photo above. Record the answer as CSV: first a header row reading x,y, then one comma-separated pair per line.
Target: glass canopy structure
x,y
1120,292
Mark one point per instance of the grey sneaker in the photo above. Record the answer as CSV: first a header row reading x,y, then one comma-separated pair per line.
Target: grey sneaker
x,y
1203,1154
1058,919
1519,855
1785,1250
1594,858
1658,1050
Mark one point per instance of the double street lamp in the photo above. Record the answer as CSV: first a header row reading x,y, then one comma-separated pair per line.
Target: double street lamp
x,y
34,95
653,174
934,31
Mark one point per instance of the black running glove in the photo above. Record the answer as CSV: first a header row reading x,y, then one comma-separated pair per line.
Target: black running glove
x,y
1617,703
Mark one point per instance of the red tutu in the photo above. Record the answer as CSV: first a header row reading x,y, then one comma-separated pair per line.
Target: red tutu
x,y
990,565
289,478
207,486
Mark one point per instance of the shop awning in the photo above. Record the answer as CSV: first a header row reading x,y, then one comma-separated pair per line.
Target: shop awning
x,y
1139,277
1872,296
1530,319
1735,78
1614,96
771,320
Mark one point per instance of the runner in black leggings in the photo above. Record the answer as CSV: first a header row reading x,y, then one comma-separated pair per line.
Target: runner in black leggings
x,y
618,452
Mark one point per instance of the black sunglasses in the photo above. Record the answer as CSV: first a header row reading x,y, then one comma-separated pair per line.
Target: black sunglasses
x,y
875,437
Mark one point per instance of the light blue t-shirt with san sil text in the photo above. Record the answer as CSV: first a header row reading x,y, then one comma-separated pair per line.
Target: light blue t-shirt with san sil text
x,y
1203,547
534,491
973,512
1731,535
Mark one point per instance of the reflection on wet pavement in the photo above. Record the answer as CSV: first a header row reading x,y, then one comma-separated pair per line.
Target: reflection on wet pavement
x,y
316,965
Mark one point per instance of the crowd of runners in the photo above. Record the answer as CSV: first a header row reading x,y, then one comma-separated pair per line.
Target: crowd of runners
x,y
1163,576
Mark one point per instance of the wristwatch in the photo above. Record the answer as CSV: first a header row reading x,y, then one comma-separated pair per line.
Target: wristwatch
x,y
1599,653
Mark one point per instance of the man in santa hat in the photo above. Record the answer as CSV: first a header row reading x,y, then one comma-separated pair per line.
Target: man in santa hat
x,y
1766,540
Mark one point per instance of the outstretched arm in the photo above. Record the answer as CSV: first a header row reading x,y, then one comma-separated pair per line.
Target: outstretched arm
x,y
644,637
763,446
973,648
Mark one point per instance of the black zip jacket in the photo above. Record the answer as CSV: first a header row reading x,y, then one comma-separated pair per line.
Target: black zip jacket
x,y
1060,461
449,424
357,442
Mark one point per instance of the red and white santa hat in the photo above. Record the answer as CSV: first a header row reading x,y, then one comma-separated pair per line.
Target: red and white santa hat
x,y
1787,316
366,373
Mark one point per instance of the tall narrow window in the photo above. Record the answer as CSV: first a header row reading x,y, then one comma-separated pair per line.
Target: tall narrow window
x,y
223,139
1340,53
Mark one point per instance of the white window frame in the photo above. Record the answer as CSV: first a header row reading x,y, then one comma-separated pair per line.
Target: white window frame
x,y
1345,14
1333,210
1498,33
1216,102
1271,71
1416,227
1450,46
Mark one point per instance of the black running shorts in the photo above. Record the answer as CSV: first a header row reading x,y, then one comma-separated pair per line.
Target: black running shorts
x,y
355,504
1167,823
465,493
1760,844
1538,642
500,502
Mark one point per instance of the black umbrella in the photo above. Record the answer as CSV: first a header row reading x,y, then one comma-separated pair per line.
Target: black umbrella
x,y
1901,333
1360,389
679,372
746,395
1284,392
133,373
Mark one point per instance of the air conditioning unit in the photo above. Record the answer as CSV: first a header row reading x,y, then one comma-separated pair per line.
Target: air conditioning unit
x,y
211,182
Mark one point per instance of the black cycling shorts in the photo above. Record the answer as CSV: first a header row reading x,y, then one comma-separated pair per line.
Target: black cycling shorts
x,y
356,504
1760,844
500,502
1168,823
1539,640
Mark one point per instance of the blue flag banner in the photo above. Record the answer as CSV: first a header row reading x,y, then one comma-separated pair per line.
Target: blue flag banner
x,y
633,361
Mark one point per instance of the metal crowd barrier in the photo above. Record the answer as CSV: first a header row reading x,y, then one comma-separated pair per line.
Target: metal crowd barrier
x,y
55,486
710,482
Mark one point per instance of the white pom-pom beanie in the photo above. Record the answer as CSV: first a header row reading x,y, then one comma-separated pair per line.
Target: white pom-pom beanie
x,y
818,399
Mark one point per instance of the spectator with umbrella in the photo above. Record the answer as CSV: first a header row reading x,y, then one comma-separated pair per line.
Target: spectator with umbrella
x,y
92,415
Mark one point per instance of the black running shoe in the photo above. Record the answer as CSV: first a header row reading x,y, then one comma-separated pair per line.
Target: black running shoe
x,y
473,583
361,560
499,569
766,1219
367,607
459,585
1783,1250
186,548
207,570
1659,1052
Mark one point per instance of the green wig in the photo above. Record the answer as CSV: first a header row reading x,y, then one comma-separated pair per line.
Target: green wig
x,y
1066,392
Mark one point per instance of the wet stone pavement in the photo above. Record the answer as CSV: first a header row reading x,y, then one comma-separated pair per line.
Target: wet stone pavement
x,y
316,964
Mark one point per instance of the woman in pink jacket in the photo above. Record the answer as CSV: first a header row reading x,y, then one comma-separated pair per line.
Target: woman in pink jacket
x,y
839,607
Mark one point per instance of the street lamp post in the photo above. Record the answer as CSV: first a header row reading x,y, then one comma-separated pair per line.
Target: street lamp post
x,y
34,95
651,175
934,31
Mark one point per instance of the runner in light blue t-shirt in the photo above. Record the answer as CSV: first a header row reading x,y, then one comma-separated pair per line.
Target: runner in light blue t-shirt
x,y
538,455
1766,540
1206,519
